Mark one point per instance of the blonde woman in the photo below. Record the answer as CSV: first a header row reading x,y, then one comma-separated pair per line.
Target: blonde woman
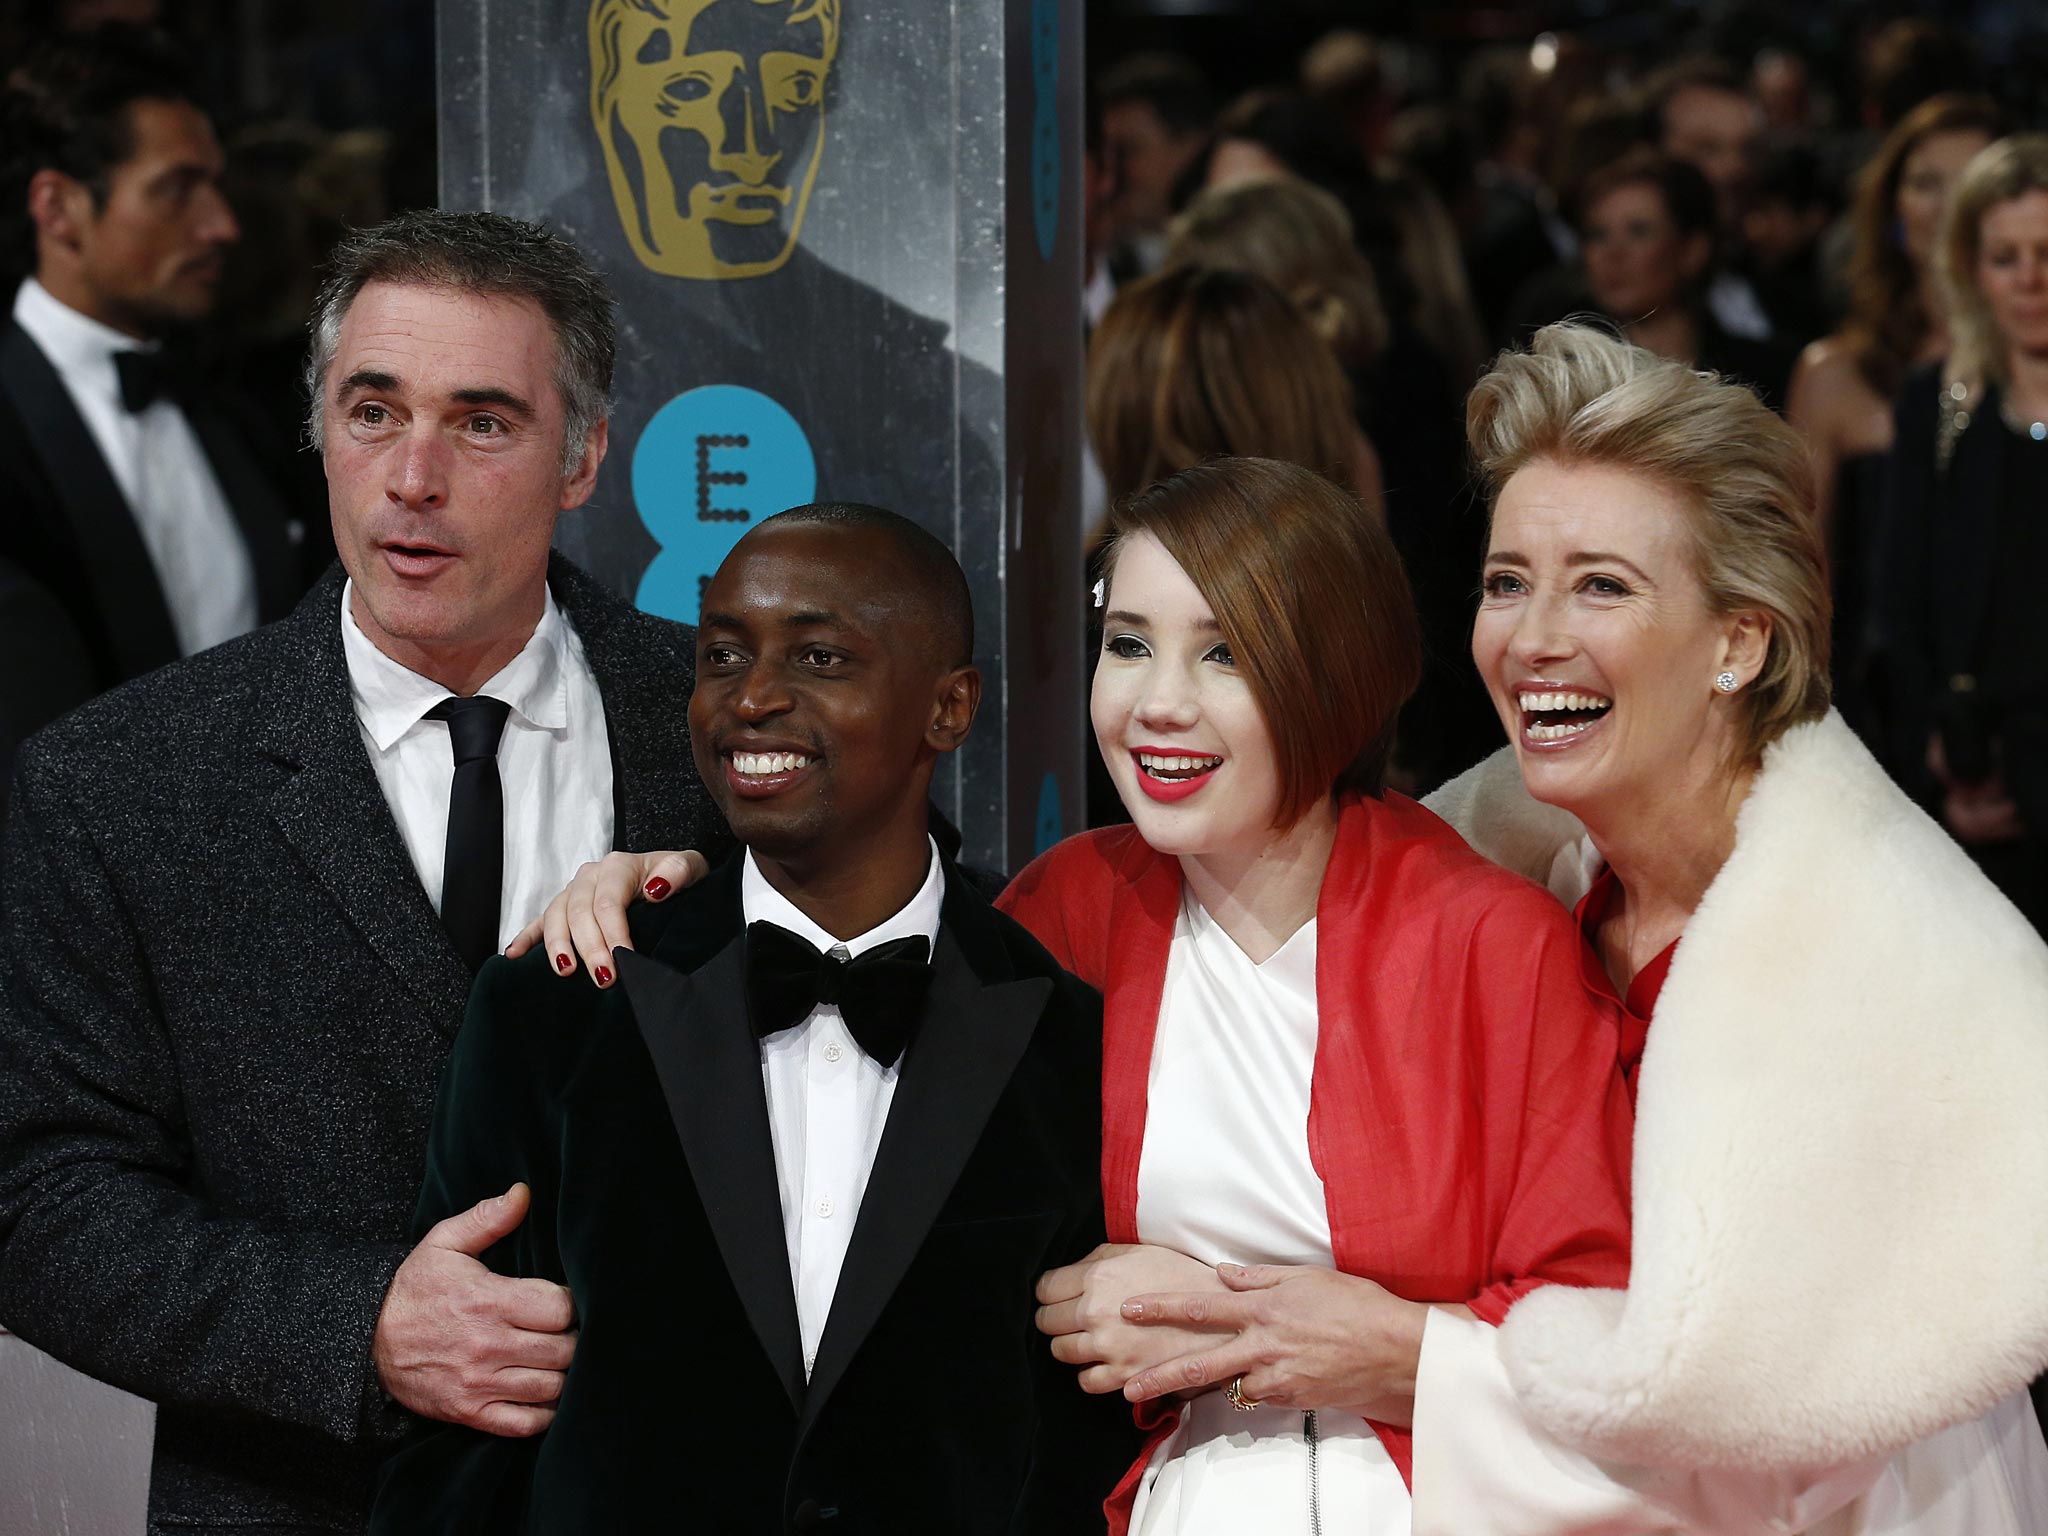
x,y
1298,238
1836,1028
1962,664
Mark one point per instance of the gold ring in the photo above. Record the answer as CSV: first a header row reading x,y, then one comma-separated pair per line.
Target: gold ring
x,y
1234,1395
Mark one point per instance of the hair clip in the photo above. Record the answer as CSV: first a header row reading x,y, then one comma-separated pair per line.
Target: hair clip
x,y
1096,591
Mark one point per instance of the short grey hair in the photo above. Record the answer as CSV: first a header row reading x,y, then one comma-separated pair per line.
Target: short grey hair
x,y
1578,395
485,253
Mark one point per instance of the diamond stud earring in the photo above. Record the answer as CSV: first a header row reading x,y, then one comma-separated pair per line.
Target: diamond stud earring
x,y
1727,682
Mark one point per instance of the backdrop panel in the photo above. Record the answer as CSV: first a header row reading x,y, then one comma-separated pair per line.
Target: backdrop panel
x,y
845,236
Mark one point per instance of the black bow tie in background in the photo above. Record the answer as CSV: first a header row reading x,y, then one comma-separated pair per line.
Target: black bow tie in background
x,y
147,377
878,993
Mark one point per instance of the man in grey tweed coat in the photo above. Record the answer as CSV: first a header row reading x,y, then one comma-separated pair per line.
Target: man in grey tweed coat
x,y
232,964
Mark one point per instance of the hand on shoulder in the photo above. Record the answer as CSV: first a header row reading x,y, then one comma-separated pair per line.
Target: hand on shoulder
x,y
587,919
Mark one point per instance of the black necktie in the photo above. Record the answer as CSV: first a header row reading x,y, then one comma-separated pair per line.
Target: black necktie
x,y
473,865
878,993
146,377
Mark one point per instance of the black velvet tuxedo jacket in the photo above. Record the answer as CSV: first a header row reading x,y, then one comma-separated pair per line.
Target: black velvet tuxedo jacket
x,y
69,540
639,1117
225,1003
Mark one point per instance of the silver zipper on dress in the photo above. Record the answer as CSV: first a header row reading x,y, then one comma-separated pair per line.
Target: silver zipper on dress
x,y
1315,1493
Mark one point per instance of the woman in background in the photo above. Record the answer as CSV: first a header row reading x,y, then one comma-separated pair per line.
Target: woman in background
x,y
1843,386
1298,238
1961,668
1842,389
1192,363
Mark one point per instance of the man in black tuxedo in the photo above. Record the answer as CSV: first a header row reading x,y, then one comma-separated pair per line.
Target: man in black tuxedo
x,y
801,1200
135,506
245,898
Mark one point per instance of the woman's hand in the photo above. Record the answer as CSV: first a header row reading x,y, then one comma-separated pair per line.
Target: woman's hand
x,y
1080,1307
589,916
1299,1338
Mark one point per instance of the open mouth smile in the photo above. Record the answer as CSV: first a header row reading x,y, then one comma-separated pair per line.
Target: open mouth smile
x,y
1173,776
758,775
1557,717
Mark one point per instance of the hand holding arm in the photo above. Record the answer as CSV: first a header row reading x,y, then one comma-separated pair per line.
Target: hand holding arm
x,y
457,1342
1080,1309
1299,1338
587,919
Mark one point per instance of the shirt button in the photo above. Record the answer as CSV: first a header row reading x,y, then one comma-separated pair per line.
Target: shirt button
x,y
825,1208
833,1053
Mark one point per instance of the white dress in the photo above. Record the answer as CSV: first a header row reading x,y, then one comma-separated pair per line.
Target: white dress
x,y
1226,1176
1483,1467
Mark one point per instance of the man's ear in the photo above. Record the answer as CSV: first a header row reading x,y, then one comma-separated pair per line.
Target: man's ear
x,y
954,702
1746,644
60,207
583,480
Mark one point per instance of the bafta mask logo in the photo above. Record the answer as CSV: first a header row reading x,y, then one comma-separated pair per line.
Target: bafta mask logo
x,y
712,117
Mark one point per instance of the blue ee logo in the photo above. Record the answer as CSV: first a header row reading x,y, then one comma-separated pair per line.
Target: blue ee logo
x,y
710,464
1047,829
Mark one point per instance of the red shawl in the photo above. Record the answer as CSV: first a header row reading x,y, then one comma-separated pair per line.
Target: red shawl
x,y
1466,1113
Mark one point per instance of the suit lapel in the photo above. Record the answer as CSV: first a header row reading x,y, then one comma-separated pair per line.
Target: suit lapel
x,y
969,1041
333,812
709,1067
102,532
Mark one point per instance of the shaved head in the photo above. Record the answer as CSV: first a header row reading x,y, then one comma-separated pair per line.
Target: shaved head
x,y
937,589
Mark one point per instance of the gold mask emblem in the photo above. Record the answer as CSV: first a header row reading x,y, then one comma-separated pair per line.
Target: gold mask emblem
x,y
712,118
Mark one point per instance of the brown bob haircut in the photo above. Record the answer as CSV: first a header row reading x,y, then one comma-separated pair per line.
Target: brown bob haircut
x,y
1314,602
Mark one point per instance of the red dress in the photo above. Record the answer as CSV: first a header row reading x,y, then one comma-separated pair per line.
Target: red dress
x,y
1466,1113
1635,1009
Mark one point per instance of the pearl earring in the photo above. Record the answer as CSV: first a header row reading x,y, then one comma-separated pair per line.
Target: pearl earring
x,y
1727,682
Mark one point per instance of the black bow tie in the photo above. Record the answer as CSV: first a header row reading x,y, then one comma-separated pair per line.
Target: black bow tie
x,y
878,993
147,377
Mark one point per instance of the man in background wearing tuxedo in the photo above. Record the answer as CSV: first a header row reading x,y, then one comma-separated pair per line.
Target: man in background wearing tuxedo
x,y
246,895
139,526
803,1165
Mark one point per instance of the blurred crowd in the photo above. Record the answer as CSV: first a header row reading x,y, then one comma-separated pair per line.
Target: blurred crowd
x,y
173,178
1315,269
1318,270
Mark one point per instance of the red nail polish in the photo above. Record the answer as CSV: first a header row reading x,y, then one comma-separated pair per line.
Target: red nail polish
x,y
604,975
562,964
657,888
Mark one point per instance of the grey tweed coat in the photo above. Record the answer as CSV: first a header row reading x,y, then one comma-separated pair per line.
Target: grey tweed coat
x,y
224,1007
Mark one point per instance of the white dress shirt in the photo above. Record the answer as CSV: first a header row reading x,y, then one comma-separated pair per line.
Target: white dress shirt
x,y
1226,1175
201,559
554,761
827,1101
